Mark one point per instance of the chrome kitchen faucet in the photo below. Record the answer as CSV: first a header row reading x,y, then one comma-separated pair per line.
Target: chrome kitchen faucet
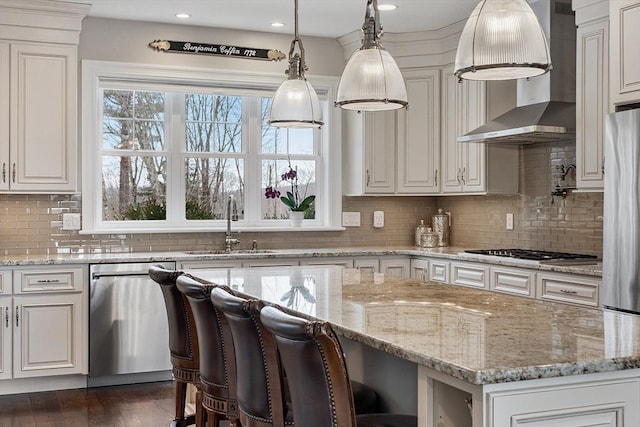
x,y
232,215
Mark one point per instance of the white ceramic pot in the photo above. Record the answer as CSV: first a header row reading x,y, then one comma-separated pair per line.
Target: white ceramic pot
x,y
295,218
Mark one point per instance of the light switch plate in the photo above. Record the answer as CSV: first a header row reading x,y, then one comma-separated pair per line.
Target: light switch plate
x,y
351,219
509,221
378,219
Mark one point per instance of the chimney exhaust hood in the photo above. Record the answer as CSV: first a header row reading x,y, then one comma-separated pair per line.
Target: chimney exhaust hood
x,y
546,109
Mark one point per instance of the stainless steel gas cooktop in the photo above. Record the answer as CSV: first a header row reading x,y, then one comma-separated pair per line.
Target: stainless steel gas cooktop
x,y
533,255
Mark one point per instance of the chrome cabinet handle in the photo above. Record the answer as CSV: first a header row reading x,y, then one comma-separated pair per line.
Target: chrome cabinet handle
x,y
436,178
464,170
458,176
17,317
368,177
4,172
6,317
13,173
566,291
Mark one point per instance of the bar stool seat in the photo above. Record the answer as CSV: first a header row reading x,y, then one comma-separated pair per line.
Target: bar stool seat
x,y
183,344
217,360
317,374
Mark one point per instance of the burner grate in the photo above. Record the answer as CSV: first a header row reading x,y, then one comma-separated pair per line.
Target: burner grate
x,y
529,254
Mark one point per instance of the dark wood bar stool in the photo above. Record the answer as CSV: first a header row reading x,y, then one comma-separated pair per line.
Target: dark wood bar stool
x,y
183,344
217,360
261,396
317,374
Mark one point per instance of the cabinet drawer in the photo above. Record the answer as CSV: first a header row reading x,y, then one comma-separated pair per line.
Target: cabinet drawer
x,y
439,271
48,279
5,282
469,274
571,289
513,281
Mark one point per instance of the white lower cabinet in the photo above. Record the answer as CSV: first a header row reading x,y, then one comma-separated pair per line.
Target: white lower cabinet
x,y
367,264
596,404
474,275
515,281
341,261
44,322
5,338
439,271
568,288
419,269
395,266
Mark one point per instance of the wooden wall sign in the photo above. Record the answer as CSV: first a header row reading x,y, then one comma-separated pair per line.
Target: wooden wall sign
x,y
217,49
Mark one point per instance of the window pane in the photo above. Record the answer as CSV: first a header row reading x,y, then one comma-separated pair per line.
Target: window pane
x,y
275,179
213,123
209,182
284,140
133,127
134,188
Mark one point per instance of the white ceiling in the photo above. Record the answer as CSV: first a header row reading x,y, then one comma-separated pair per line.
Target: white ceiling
x,y
325,18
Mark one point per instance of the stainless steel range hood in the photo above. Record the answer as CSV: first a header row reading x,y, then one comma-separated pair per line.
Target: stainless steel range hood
x,y
545,108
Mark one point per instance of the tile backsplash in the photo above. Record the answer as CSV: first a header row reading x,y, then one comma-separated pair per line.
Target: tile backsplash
x,y
32,224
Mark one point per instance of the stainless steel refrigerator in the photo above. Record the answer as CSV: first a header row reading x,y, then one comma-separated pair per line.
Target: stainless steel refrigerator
x,y
621,245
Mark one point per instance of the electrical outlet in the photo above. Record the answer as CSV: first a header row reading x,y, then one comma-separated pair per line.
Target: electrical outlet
x,y
378,219
71,221
509,221
351,219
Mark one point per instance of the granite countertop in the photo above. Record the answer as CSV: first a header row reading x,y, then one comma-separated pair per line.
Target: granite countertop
x,y
450,253
478,337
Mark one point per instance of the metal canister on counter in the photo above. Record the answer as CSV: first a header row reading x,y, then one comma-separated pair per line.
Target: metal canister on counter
x,y
420,229
429,239
440,224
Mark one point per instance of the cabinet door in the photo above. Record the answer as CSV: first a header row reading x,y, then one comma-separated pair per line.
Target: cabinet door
x,y
341,261
420,269
592,93
4,116
463,109
397,267
470,274
380,143
419,134
43,128
48,336
367,264
625,61
5,337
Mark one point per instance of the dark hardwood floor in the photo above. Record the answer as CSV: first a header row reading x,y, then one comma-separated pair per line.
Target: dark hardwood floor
x,y
138,405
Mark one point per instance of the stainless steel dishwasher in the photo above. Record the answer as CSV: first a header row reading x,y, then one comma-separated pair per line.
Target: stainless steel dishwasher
x,y
128,331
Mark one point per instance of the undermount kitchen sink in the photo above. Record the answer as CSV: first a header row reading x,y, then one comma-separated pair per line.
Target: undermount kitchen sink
x,y
223,252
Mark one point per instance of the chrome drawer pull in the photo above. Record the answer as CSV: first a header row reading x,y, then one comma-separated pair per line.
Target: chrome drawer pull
x,y
6,317
565,291
48,281
17,317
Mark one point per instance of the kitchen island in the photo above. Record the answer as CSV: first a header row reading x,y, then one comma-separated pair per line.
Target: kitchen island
x,y
520,361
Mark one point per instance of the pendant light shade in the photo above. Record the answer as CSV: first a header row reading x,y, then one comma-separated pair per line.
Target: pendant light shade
x,y
502,40
295,103
371,80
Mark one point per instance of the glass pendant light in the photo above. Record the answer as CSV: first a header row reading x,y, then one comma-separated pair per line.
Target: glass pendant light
x,y
502,40
371,80
295,103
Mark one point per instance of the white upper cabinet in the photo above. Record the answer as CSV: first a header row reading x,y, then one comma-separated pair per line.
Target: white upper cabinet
x,y
419,134
625,57
42,141
592,93
38,95
472,168
369,153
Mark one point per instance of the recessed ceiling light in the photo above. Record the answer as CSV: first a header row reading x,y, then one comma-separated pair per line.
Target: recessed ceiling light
x,y
277,24
183,15
385,7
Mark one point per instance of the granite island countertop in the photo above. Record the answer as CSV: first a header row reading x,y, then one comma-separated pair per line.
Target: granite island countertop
x,y
449,253
478,337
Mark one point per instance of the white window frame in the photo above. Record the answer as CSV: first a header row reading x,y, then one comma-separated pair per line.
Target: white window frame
x,y
94,73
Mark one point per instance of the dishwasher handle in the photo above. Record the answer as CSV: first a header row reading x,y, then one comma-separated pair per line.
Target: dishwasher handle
x,y
95,276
